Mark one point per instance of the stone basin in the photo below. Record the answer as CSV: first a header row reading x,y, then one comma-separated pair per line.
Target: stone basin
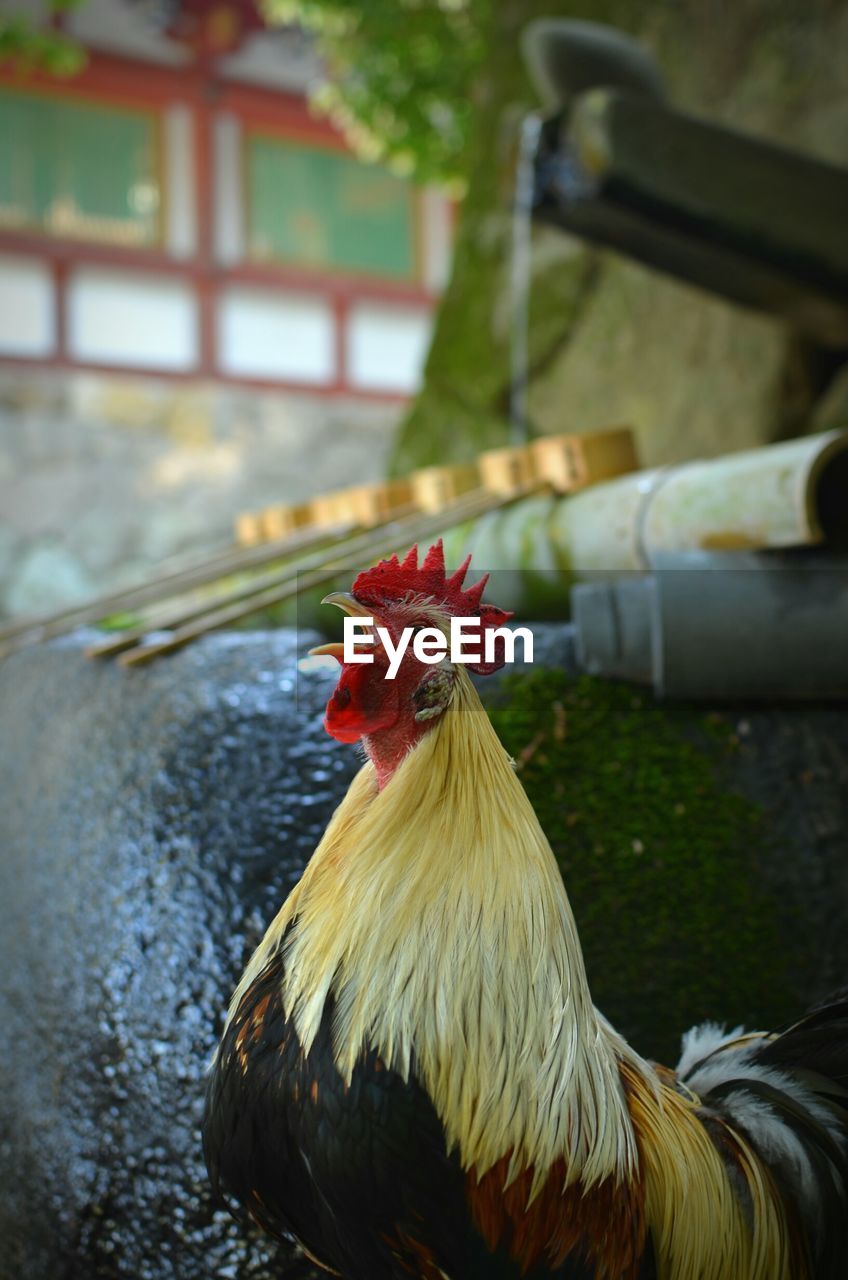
x,y
152,822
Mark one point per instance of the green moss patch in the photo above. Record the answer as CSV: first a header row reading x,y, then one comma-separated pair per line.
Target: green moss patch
x,y
661,857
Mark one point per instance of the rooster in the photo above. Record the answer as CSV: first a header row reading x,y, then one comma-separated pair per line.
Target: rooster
x,y
413,1080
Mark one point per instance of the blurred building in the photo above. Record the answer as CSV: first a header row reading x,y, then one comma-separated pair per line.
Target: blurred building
x,y
206,302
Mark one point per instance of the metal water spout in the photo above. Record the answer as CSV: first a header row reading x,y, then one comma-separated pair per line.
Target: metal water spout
x,y
732,213
565,59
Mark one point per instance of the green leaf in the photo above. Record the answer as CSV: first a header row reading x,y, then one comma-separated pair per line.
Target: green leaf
x,y
29,49
401,73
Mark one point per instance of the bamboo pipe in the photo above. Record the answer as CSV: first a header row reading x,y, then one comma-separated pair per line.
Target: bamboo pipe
x,y
563,462
783,495
34,630
308,575
372,505
184,612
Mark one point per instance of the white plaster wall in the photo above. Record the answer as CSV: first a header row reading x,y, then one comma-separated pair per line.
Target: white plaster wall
x,y
180,206
265,334
27,325
387,347
116,317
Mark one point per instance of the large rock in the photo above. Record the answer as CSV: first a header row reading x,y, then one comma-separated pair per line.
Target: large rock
x,y
611,341
759,224
153,821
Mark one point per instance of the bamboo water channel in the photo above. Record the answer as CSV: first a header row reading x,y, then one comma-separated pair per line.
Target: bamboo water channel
x,y
601,514
286,550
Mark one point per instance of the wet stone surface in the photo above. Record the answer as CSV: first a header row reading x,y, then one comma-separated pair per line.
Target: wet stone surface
x,y
151,823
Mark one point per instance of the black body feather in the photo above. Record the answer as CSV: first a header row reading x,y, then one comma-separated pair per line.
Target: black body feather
x,y
359,1175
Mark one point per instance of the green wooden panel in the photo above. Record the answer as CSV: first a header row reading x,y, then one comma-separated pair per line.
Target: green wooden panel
x,y
73,169
322,208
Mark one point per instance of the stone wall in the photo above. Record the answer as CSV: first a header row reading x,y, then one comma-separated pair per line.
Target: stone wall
x,y
102,478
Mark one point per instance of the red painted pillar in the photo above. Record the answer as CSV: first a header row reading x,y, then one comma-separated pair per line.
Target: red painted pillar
x,y
60,311
204,121
340,317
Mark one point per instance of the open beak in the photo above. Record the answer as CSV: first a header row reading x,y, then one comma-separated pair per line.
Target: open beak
x,y
346,602
342,600
333,650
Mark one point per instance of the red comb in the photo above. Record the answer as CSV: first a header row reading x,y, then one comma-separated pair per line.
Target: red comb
x,y
392,581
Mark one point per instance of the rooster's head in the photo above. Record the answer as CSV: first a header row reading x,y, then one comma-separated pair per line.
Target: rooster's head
x,y
391,714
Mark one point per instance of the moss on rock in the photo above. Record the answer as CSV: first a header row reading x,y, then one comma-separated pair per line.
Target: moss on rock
x,y
661,857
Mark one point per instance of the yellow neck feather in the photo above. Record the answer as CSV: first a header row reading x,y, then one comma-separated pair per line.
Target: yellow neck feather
x,y
435,912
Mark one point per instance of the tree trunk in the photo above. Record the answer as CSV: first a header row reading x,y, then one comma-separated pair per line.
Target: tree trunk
x,y
464,404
